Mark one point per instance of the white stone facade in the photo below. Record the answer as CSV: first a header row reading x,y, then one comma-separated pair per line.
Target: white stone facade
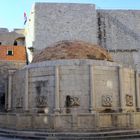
x,y
50,22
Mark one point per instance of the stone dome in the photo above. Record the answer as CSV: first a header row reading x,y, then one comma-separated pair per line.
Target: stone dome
x,y
72,50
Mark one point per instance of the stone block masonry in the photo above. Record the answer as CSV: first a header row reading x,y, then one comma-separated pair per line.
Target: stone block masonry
x,y
55,22
67,123
119,32
120,27
78,85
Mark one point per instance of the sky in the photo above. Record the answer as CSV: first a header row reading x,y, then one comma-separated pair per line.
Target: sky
x,y
12,11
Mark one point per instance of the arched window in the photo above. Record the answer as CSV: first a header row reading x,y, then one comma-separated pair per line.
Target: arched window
x,y
15,43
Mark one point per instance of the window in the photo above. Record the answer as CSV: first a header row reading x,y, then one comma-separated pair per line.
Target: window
x,y
15,43
9,52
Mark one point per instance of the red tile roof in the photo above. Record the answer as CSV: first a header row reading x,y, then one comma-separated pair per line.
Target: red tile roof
x,y
19,53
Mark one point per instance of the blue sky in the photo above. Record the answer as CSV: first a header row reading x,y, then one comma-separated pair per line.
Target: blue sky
x,y
11,11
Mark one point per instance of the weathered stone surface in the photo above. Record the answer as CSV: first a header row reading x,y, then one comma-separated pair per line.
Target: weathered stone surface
x,y
72,50
119,32
52,22
74,81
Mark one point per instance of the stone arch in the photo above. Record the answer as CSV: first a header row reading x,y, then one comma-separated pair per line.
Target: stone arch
x,y
19,41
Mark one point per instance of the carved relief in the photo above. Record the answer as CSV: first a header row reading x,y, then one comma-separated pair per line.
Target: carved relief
x,y
19,102
41,101
107,101
75,101
129,100
72,101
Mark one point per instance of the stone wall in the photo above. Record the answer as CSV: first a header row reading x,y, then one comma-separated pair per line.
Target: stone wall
x,y
4,70
127,58
77,86
64,95
119,30
52,22
41,88
106,85
74,82
76,123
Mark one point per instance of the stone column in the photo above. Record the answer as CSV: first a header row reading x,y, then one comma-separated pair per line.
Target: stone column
x,y
137,97
26,105
10,73
57,105
91,94
6,94
121,99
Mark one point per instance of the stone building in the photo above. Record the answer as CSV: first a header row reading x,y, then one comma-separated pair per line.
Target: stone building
x,y
15,37
12,57
115,30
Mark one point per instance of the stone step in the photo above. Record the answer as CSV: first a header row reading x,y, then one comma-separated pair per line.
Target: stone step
x,y
69,135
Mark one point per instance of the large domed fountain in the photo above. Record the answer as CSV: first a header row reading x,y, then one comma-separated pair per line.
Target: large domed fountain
x,y
70,84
